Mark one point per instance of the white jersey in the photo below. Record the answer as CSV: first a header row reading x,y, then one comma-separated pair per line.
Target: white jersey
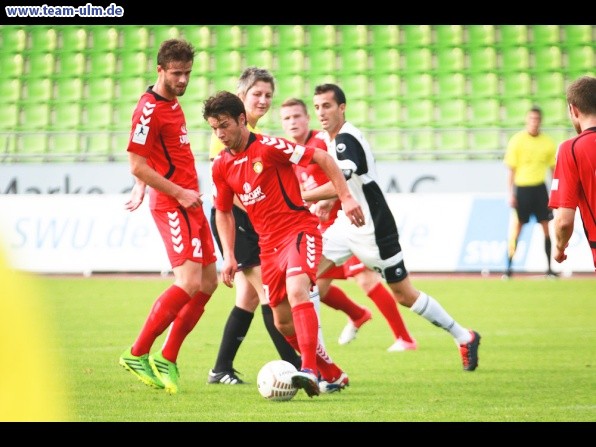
x,y
376,243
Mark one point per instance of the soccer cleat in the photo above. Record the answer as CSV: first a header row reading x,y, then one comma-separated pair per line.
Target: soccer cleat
x,y
334,385
349,332
166,371
469,352
306,380
140,367
401,345
551,275
225,377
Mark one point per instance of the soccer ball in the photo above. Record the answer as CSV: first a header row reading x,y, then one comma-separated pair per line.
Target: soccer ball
x,y
275,380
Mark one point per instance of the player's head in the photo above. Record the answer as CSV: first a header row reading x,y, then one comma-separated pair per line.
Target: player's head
x,y
174,64
581,97
225,114
256,87
533,120
295,119
330,106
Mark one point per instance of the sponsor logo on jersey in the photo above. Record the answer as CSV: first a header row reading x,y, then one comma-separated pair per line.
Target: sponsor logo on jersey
x,y
142,128
340,148
251,196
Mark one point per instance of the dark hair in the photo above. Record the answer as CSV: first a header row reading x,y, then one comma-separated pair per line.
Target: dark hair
x,y
582,94
537,110
221,104
174,50
339,94
295,102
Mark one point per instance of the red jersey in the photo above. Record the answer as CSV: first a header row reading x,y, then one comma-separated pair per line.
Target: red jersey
x,y
312,176
574,181
159,134
264,180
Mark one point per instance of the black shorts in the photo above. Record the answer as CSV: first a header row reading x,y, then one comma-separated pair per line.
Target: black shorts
x,y
533,200
246,246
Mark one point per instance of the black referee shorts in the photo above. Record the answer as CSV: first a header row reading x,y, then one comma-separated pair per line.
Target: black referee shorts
x,y
533,200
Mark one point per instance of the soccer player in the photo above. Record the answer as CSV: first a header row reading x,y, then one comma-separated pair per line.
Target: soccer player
x,y
376,243
295,122
530,154
160,157
256,87
574,179
258,169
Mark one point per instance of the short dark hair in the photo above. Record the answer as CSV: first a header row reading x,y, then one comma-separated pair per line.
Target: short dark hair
x,y
582,94
294,102
223,103
340,96
174,50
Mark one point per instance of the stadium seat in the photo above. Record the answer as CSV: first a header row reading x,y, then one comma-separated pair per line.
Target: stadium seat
x,y
484,112
512,36
452,113
70,65
72,39
161,33
321,37
451,140
97,116
480,36
32,146
9,116
122,110
386,86
482,60
197,90
120,141
418,60
448,36
358,113
259,37
100,90
12,66
104,38
8,145
385,60
228,63
227,38
132,88
451,85
133,63
353,36
421,141
98,145
418,113
580,61
544,35
134,38
41,65
42,39
554,111
352,60
417,36
10,90
484,85
35,116
290,62
37,90
385,114
514,59
13,38
199,36
290,37
515,111
418,86
517,85
385,36
549,85
355,86
259,58
578,35
64,144
486,140
322,61
547,59
228,82
450,60
385,142
290,86
102,64
66,116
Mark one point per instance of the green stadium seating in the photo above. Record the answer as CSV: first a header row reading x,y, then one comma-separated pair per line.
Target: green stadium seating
x,y
290,86
417,36
418,112
71,65
512,36
420,140
546,59
451,85
484,112
385,60
259,37
202,62
544,35
385,142
486,140
450,60
353,36
65,143
228,63
104,38
385,114
198,88
517,85
448,36
66,116
515,111
353,60
8,144
357,112
323,61
100,90
134,38
514,59
227,38
34,116
41,65
578,35
580,61
133,63
259,58
386,85
13,38
199,36
321,37
10,90
385,36
484,85
418,60
72,39
36,90
452,112
97,144
12,66
290,37
452,140
554,111
418,86
120,141
97,116
290,62
32,146
42,39
130,89
482,60
480,36
549,85
9,116
102,64
160,33
122,113
355,86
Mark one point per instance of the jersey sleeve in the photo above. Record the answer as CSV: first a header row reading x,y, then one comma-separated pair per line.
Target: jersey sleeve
x,y
565,183
350,154
223,196
145,128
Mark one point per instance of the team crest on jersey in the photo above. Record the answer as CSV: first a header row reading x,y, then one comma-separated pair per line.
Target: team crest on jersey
x,y
140,134
257,167
340,148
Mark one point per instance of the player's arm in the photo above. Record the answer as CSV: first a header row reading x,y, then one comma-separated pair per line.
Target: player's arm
x,y
141,170
224,220
563,224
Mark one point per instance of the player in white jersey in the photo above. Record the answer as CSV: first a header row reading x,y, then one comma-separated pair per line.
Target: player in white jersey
x,y
376,243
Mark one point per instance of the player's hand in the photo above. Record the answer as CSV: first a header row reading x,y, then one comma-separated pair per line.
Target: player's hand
x,y
353,211
322,209
137,194
228,272
190,198
560,255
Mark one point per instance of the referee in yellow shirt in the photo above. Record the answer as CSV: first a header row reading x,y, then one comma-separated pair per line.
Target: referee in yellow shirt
x,y
529,156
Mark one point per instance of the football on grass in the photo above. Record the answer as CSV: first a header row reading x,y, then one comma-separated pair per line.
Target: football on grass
x,y
275,380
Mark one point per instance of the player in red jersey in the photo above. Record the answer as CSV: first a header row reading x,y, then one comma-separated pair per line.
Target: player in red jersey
x,y
258,168
160,157
295,120
574,179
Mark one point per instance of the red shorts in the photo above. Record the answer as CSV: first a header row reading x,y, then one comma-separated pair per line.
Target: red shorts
x,y
186,235
350,268
300,253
